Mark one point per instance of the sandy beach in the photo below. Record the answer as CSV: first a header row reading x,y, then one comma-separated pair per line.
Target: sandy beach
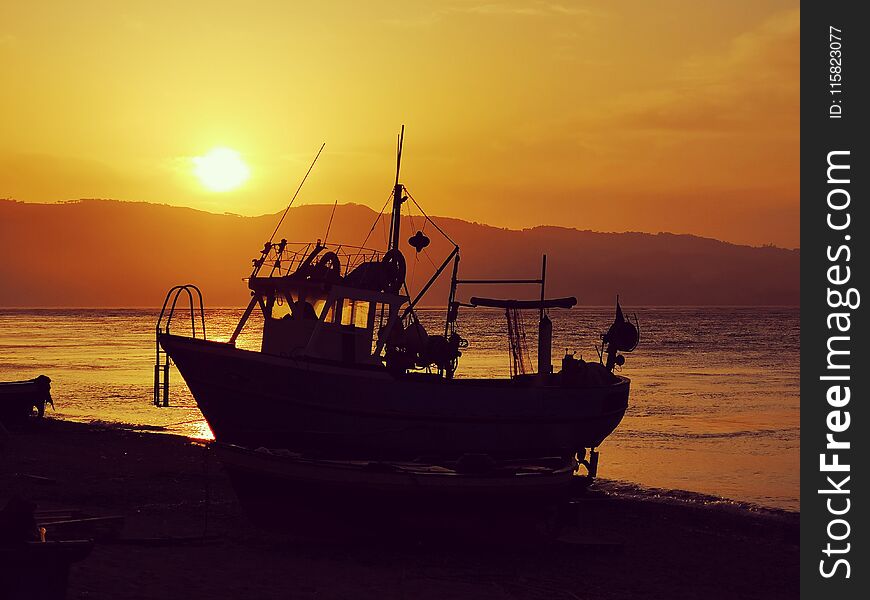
x,y
185,536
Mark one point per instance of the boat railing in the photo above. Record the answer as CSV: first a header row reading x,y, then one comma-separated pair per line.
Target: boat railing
x,y
162,361
284,259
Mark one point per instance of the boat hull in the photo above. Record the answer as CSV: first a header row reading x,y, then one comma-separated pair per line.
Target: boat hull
x,y
254,399
289,491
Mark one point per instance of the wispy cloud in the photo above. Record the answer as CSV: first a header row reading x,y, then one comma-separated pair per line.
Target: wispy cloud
x,y
492,9
758,76
519,9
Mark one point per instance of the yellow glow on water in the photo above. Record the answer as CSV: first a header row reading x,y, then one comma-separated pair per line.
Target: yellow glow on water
x,y
711,410
221,169
201,431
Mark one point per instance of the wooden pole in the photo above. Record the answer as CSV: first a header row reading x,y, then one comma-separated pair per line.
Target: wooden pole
x,y
543,283
451,315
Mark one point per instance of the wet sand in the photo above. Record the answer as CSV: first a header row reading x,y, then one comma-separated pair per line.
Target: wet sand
x,y
185,536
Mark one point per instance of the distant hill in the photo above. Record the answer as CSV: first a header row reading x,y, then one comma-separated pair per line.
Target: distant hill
x,y
110,253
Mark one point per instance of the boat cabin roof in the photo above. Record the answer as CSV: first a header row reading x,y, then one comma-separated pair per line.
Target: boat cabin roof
x,y
271,285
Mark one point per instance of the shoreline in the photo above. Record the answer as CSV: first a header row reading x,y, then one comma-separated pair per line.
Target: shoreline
x,y
619,487
169,491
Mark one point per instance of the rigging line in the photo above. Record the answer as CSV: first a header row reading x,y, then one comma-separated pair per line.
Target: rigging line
x,y
426,252
410,310
526,357
411,219
428,218
512,356
301,183
378,218
375,224
416,254
423,230
328,227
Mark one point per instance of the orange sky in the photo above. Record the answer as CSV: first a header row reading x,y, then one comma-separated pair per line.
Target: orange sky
x,y
634,115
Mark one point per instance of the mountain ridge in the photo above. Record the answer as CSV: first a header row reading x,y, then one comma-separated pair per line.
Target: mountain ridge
x,y
159,245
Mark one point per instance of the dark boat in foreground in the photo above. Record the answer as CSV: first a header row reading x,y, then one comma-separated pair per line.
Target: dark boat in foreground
x,y
289,490
30,567
18,399
347,369
39,570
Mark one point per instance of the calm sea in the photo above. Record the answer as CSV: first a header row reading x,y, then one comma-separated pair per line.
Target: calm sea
x,y
714,406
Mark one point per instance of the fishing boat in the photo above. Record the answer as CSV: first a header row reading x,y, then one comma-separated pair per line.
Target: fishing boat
x,y
18,399
346,367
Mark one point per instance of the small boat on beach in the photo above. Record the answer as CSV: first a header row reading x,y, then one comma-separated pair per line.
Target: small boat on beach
x,y
18,399
347,369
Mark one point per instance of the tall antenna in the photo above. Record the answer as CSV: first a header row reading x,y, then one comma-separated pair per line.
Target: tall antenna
x,y
301,183
399,153
397,197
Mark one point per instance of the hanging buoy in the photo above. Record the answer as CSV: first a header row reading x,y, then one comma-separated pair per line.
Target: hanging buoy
x,y
418,241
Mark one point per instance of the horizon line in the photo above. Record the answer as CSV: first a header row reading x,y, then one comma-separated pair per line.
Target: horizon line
x,y
428,307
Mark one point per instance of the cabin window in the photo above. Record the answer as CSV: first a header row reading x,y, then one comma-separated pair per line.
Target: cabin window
x,y
346,312
361,314
355,313
281,308
319,308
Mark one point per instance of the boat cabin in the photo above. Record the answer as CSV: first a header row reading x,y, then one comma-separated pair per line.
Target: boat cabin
x,y
325,320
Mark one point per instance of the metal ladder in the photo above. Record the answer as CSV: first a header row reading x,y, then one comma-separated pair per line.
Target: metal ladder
x,y
162,360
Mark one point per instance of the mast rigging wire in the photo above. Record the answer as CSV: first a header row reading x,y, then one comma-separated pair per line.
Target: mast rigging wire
x,y
428,218
329,226
301,183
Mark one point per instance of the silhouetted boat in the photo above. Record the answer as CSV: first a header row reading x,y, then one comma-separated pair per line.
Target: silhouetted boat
x,y
18,399
346,367
31,567
283,488
39,570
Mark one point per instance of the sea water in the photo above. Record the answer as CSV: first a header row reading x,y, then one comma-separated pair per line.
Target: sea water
x,y
714,404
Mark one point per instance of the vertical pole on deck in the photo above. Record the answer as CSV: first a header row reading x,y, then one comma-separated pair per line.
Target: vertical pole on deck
x,y
396,221
451,314
543,283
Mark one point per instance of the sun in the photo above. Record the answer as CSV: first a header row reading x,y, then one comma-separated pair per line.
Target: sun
x,y
221,169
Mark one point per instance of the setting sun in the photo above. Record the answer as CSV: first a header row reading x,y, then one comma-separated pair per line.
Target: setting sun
x,y
221,169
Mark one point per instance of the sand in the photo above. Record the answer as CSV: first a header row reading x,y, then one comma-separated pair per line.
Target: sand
x,y
185,536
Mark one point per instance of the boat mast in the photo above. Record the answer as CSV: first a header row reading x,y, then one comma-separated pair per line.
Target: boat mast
x,y
264,253
398,198
452,305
